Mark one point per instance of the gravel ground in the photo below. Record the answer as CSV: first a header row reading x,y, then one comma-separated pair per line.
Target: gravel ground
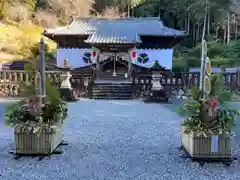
x,y
114,140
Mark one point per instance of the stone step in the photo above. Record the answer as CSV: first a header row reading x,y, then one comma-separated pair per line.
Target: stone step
x,y
111,94
109,76
111,88
112,91
113,79
113,98
112,85
127,91
113,82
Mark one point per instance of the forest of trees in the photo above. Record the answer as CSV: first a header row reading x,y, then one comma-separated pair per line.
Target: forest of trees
x,y
216,20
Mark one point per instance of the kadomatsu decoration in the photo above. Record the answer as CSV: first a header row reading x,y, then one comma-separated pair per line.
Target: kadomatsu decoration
x,y
206,119
209,121
37,120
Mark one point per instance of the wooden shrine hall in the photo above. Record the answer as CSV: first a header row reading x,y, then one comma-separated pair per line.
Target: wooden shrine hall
x,y
114,47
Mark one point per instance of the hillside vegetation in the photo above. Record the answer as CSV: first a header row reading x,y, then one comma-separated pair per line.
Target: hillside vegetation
x,y
23,21
15,40
216,20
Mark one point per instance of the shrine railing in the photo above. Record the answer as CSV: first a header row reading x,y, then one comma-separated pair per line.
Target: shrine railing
x,y
10,81
142,82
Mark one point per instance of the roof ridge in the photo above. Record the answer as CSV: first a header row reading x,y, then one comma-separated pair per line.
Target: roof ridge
x,y
120,18
109,29
56,29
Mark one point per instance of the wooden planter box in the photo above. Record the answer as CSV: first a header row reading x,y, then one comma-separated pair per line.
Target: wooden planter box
x,y
30,143
201,146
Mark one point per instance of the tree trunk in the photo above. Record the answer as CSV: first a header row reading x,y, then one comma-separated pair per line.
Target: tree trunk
x,y
228,29
198,30
224,36
204,26
133,14
208,23
236,30
122,6
188,27
216,35
203,51
194,34
129,2
186,24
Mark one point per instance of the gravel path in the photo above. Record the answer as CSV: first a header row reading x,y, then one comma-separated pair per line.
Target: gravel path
x,y
114,140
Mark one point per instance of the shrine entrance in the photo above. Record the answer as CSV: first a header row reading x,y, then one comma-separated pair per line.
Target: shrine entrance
x,y
114,65
113,61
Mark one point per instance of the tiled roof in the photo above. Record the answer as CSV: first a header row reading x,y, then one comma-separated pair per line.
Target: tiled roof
x,y
123,30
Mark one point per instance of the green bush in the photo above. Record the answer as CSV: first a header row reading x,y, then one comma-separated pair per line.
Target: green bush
x,y
52,113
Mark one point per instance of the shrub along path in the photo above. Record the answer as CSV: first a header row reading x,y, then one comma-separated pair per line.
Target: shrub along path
x,y
114,140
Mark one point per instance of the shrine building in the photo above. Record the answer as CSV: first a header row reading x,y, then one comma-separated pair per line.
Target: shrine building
x,y
115,46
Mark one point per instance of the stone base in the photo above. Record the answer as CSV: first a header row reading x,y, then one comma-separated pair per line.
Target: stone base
x,y
68,94
157,96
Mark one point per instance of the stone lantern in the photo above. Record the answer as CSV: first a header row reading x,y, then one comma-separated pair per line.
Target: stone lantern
x,y
156,77
66,90
65,77
157,92
86,83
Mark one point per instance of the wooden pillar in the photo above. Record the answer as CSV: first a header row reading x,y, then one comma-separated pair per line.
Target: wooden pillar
x,y
132,52
95,57
129,66
97,66
114,64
